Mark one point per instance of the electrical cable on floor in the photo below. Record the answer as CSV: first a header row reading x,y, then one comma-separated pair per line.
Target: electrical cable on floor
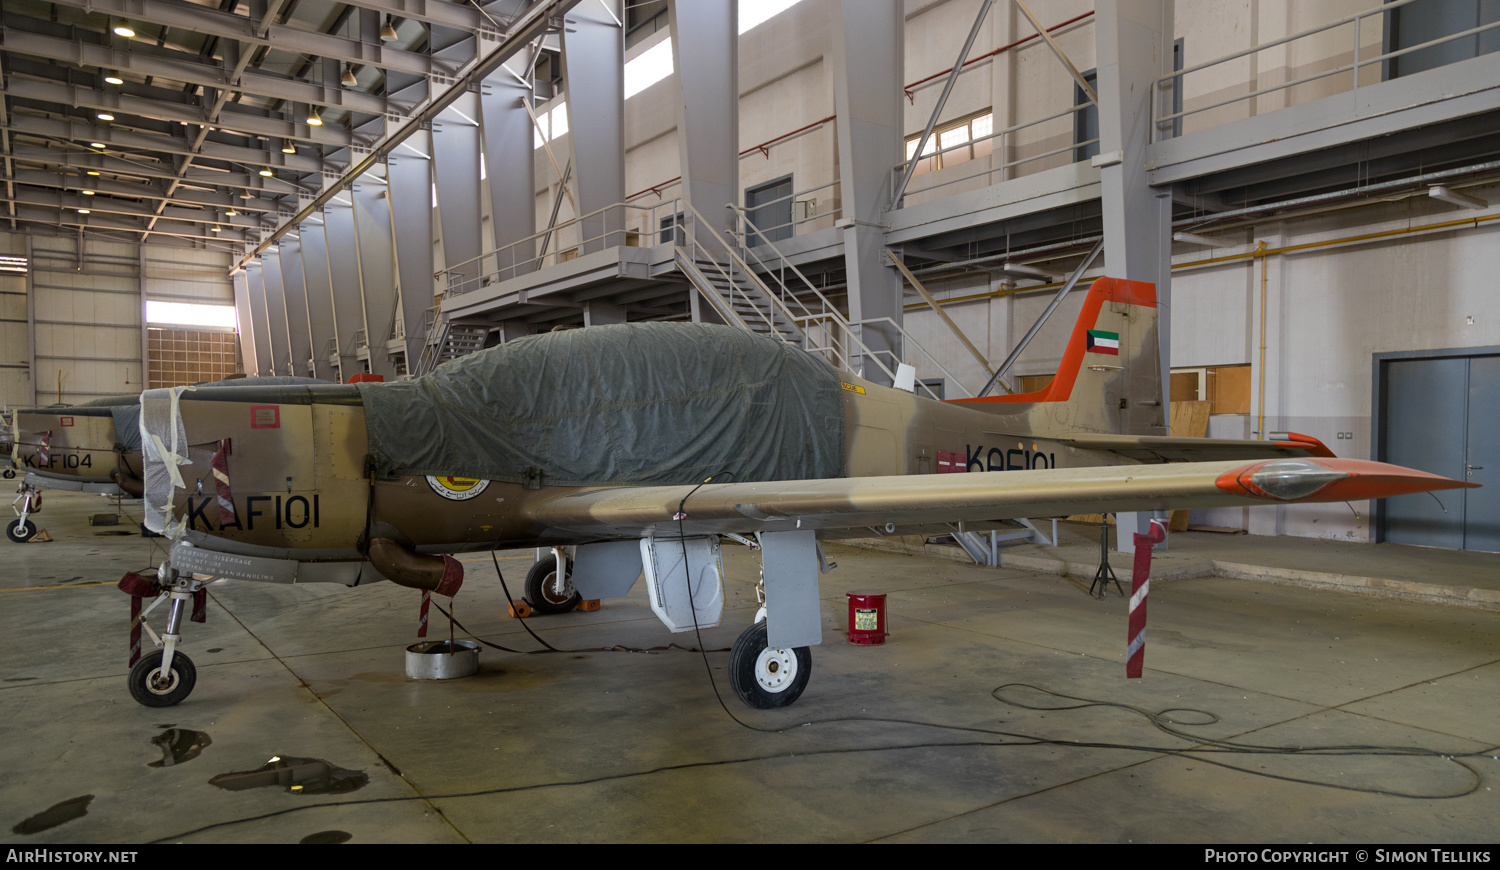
x,y
1159,719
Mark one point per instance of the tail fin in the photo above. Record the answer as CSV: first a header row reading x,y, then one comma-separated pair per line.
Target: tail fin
x,y
1109,379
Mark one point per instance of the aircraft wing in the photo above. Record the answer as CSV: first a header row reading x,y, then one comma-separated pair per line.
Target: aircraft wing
x,y
887,505
1167,448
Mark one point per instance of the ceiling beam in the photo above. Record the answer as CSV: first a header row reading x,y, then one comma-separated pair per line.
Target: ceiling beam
x,y
114,138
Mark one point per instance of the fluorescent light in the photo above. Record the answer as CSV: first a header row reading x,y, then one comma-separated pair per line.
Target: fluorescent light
x,y
1437,191
1204,240
648,68
190,314
1031,272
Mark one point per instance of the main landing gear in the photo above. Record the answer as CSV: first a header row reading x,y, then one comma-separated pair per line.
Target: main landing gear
x,y
767,678
165,677
22,529
549,590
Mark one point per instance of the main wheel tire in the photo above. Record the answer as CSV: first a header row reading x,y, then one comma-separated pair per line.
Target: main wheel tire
x,y
766,678
539,592
147,690
19,533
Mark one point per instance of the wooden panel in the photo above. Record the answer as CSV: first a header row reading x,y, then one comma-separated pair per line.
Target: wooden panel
x,y
190,356
1229,389
1032,383
1184,387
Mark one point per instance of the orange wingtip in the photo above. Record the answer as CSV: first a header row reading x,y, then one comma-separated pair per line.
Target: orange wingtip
x,y
1309,480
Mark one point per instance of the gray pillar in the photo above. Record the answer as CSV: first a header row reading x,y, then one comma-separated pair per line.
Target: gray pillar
x,y
255,280
510,170
319,295
868,54
246,324
343,273
593,51
1134,48
411,204
299,335
281,349
705,49
377,268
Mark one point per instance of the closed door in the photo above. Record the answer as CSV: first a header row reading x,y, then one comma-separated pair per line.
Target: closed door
x,y
1442,415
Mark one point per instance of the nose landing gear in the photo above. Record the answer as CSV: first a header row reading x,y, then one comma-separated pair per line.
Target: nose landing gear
x,y
165,677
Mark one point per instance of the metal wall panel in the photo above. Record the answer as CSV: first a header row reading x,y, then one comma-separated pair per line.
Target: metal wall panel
x,y
281,349
1425,428
1482,460
319,296
377,269
343,271
299,336
411,178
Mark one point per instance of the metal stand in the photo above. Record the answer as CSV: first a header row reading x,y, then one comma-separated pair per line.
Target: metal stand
x,y
1105,575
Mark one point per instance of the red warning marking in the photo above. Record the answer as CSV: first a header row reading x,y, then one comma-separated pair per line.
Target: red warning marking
x,y
265,416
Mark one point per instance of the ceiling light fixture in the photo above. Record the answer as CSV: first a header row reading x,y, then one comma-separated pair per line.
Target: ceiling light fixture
x,y
114,79
124,29
213,229
88,193
267,173
245,194
83,211
1032,272
287,147
313,119
96,144
388,30
231,213
93,172
105,116
1437,191
347,79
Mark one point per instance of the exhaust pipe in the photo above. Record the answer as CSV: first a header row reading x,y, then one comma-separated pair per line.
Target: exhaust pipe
x,y
406,567
131,485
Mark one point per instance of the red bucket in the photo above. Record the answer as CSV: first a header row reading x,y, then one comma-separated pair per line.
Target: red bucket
x,y
867,618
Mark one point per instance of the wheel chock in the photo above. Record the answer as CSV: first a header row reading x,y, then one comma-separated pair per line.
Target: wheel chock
x,y
588,605
41,537
519,609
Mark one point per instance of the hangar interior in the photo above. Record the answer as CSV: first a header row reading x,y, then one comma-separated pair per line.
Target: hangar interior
x,y
376,187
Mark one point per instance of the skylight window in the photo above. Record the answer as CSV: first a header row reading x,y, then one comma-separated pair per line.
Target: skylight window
x,y
550,125
648,68
756,12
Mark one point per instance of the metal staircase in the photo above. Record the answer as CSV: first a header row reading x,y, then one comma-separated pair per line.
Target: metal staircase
x,y
447,340
739,297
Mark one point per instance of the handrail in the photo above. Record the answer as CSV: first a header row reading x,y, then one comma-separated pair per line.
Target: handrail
x,y
1175,77
748,272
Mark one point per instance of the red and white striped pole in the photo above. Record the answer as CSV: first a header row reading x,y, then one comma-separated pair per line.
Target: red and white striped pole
x,y
422,623
1140,584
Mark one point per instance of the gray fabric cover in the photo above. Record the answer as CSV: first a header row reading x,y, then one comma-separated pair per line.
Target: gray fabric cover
x,y
662,403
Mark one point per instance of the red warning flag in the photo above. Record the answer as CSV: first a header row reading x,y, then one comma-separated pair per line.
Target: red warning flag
x,y
220,464
1140,584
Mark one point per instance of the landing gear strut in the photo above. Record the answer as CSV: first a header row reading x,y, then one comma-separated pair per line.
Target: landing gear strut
x,y
550,589
165,677
22,529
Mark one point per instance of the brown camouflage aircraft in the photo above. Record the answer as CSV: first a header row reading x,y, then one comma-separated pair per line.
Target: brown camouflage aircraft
x,y
74,449
303,484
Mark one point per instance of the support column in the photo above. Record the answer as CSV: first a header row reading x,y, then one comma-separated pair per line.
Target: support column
x,y
281,349
343,273
299,334
246,330
1134,47
411,177
868,57
593,53
377,268
255,280
319,295
705,49
510,170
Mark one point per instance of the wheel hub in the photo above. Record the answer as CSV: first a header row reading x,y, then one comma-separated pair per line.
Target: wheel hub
x,y
552,592
162,686
775,669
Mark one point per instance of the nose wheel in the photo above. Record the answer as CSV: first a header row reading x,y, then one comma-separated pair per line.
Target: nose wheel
x,y
766,678
550,590
22,529
152,688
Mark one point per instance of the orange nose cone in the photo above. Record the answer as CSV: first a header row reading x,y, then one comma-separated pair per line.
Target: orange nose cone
x,y
1316,480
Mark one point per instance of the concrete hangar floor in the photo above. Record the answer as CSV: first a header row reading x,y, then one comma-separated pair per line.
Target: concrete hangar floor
x,y
1230,738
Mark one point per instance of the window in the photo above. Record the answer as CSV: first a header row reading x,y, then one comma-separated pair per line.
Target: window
x,y
1426,20
190,314
189,356
973,132
1085,121
671,230
770,207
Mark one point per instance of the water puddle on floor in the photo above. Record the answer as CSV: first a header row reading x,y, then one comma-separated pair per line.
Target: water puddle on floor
x,y
57,814
326,837
296,775
178,745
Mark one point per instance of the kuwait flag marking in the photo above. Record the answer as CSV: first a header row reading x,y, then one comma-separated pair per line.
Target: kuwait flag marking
x,y
1104,342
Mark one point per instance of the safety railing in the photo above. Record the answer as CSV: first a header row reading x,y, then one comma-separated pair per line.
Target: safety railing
x,y
361,340
986,166
623,224
1359,30
808,212
331,348
909,352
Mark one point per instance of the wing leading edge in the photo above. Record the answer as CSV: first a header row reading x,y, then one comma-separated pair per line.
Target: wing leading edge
x,y
888,504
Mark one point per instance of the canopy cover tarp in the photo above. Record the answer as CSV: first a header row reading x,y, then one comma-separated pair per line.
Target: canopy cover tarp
x,y
632,403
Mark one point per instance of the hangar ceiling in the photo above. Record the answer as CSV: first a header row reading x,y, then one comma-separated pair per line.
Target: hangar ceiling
x,y
215,121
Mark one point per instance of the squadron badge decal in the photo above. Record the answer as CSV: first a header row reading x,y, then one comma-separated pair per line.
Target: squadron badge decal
x,y
457,488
